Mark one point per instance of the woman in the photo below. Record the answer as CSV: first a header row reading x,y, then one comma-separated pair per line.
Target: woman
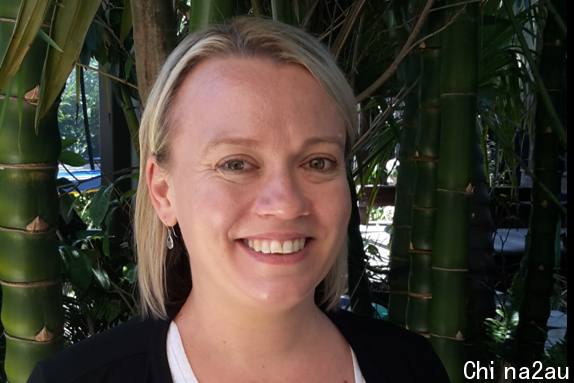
x,y
243,189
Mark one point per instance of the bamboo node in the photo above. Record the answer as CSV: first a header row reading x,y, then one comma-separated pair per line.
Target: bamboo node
x,y
421,296
448,337
33,96
423,45
44,336
470,188
38,224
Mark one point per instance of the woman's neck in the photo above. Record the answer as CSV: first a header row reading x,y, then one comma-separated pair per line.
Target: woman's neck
x,y
219,326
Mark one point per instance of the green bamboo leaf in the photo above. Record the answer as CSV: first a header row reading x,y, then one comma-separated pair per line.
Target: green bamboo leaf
x,y
72,159
99,205
5,104
69,28
67,142
127,23
20,78
31,15
44,36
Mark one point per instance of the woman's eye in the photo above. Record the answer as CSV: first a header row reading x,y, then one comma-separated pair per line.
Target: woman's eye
x,y
321,164
236,165
317,164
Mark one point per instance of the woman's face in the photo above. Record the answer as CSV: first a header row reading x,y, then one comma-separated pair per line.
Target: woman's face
x,y
257,180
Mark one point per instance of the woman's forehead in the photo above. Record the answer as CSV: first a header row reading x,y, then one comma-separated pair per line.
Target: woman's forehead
x,y
227,95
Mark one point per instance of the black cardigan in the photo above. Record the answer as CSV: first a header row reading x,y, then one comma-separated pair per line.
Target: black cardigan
x,y
136,352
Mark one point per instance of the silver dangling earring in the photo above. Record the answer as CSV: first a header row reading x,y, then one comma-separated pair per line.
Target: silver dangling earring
x,y
169,241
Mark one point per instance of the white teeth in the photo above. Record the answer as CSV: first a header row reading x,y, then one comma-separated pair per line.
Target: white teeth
x,y
265,248
275,247
296,246
287,247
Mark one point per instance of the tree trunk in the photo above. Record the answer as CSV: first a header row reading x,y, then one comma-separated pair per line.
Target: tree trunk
x,y
155,35
451,244
32,312
544,233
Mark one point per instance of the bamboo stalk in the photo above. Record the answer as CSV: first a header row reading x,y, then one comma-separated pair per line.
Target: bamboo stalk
x,y
407,47
544,230
424,196
257,7
278,10
32,313
454,178
409,74
554,122
557,18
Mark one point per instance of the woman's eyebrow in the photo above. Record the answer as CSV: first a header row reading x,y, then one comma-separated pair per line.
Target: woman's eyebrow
x,y
334,140
236,141
250,143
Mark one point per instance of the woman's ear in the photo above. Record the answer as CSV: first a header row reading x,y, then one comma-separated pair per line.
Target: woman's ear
x,y
159,191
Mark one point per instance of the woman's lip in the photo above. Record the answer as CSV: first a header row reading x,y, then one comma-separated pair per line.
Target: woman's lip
x,y
276,259
276,236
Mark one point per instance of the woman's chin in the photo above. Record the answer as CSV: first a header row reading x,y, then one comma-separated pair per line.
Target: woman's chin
x,y
277,295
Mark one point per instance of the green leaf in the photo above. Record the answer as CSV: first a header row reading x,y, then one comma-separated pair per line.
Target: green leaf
x,y
101,278
31,15
130,272
72,159
44,36
127,24
67,142
99,205
67,202
20,77
129,194
5,105
69,28
106,244
78,267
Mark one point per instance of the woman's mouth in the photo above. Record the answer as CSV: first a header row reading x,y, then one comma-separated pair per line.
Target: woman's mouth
x,y
267,246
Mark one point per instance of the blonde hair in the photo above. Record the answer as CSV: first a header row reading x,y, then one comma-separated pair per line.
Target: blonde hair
x,y
163,275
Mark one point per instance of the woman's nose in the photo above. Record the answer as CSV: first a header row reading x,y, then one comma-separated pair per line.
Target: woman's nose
x,y
282,196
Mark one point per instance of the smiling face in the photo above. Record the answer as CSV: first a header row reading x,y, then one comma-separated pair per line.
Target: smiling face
x,y
256,181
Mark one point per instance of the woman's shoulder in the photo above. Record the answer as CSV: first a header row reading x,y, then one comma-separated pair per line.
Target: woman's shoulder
x,y
118,354
388,353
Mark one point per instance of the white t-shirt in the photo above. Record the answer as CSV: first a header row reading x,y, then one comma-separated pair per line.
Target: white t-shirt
x,y
181,371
